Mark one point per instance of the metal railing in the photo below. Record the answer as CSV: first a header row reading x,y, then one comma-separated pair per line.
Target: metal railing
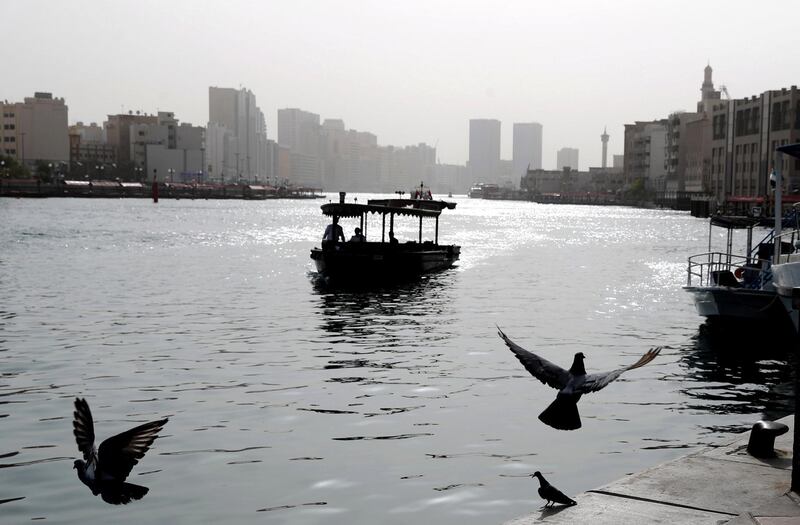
x,y
725,269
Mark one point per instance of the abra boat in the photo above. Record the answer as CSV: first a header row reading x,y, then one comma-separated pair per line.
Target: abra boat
x,y
384,260
730,289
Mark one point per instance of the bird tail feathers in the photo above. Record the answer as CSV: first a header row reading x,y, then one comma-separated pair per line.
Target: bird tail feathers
x,y
562,414
122,493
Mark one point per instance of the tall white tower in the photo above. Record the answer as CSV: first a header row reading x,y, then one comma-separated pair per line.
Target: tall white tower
x,y
604,138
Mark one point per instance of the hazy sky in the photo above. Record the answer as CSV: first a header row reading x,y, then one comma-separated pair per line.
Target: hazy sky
x,y
409,71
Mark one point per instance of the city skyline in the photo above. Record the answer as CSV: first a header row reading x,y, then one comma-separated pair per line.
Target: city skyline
x,y
408,73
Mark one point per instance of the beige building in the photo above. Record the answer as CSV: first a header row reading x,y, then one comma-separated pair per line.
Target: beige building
x,y
645,146
567,158
245,156
118,135
35,130
88,149
745,133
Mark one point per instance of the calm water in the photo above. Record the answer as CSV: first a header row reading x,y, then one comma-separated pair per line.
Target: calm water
x,y
292,404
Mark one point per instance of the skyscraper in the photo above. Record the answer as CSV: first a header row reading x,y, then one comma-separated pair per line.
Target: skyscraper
x,y
604,139
235,110
567,158
527,149
300,131
484,149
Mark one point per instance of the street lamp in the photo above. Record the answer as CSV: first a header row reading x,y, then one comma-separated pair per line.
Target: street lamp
x,y
139,173
171,173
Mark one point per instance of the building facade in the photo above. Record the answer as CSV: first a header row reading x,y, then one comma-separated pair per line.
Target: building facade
x,y
567,158
745,133
484,149
239,135
527,148
300,131
35,130
645,146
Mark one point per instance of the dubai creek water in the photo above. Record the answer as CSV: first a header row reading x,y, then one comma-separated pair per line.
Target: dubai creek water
x,y
289,402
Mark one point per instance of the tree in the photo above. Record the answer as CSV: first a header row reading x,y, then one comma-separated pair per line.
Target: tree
x,y
44,171
13,169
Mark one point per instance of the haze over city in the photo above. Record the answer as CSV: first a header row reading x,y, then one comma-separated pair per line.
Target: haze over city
x,y
409,72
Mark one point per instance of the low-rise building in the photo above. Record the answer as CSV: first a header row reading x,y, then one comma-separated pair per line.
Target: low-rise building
x,y
35,130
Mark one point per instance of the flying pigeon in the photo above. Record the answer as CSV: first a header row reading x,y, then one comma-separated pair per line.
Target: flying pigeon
x,y
562,413
105,470
551,494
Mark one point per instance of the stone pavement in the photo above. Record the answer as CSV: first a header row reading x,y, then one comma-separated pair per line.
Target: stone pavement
x,y
714,486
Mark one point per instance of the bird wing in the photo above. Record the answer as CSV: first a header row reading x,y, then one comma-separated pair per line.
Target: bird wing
x,y
83,428
118,454
595,382
542,369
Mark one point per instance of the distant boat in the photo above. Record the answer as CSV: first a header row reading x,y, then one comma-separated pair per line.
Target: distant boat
x,y
483,190
382,260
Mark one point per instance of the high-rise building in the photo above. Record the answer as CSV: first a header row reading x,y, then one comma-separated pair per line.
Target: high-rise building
x,y
484,149
35,130
236,111
299,131
567,158
527,150
604,139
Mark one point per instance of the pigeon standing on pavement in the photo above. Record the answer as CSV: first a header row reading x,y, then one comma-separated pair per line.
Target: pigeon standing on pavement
x,y
551,494
562,413
104,470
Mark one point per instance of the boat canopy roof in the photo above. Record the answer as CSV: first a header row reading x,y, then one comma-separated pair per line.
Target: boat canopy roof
x,y
793,150
734,222
413,207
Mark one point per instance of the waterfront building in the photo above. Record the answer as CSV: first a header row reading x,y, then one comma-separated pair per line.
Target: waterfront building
x,y
563,181
745,133
168,150
645,144
236,111
35,130
484,149
88,149
118,135
299,131
567,158
450,178
527,148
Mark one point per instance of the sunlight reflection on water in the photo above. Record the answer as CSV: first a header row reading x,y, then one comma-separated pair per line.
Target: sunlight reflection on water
x,y
305,405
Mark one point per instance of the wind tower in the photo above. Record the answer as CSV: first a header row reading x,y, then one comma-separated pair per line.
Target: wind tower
x,y
604,138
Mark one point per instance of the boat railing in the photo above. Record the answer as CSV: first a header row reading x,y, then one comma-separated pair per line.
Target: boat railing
x,y
725,269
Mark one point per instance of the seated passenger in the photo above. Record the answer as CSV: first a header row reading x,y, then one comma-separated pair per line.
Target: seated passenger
x,y
392,239
358,237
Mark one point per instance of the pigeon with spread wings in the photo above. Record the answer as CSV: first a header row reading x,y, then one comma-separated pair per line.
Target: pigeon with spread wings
x,y
571,384
104,470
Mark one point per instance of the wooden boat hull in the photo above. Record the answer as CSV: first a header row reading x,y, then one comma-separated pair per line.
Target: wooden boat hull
x,y
370,262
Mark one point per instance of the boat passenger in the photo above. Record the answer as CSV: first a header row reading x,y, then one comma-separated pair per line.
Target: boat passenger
x,y
358,237
333,232
392,239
